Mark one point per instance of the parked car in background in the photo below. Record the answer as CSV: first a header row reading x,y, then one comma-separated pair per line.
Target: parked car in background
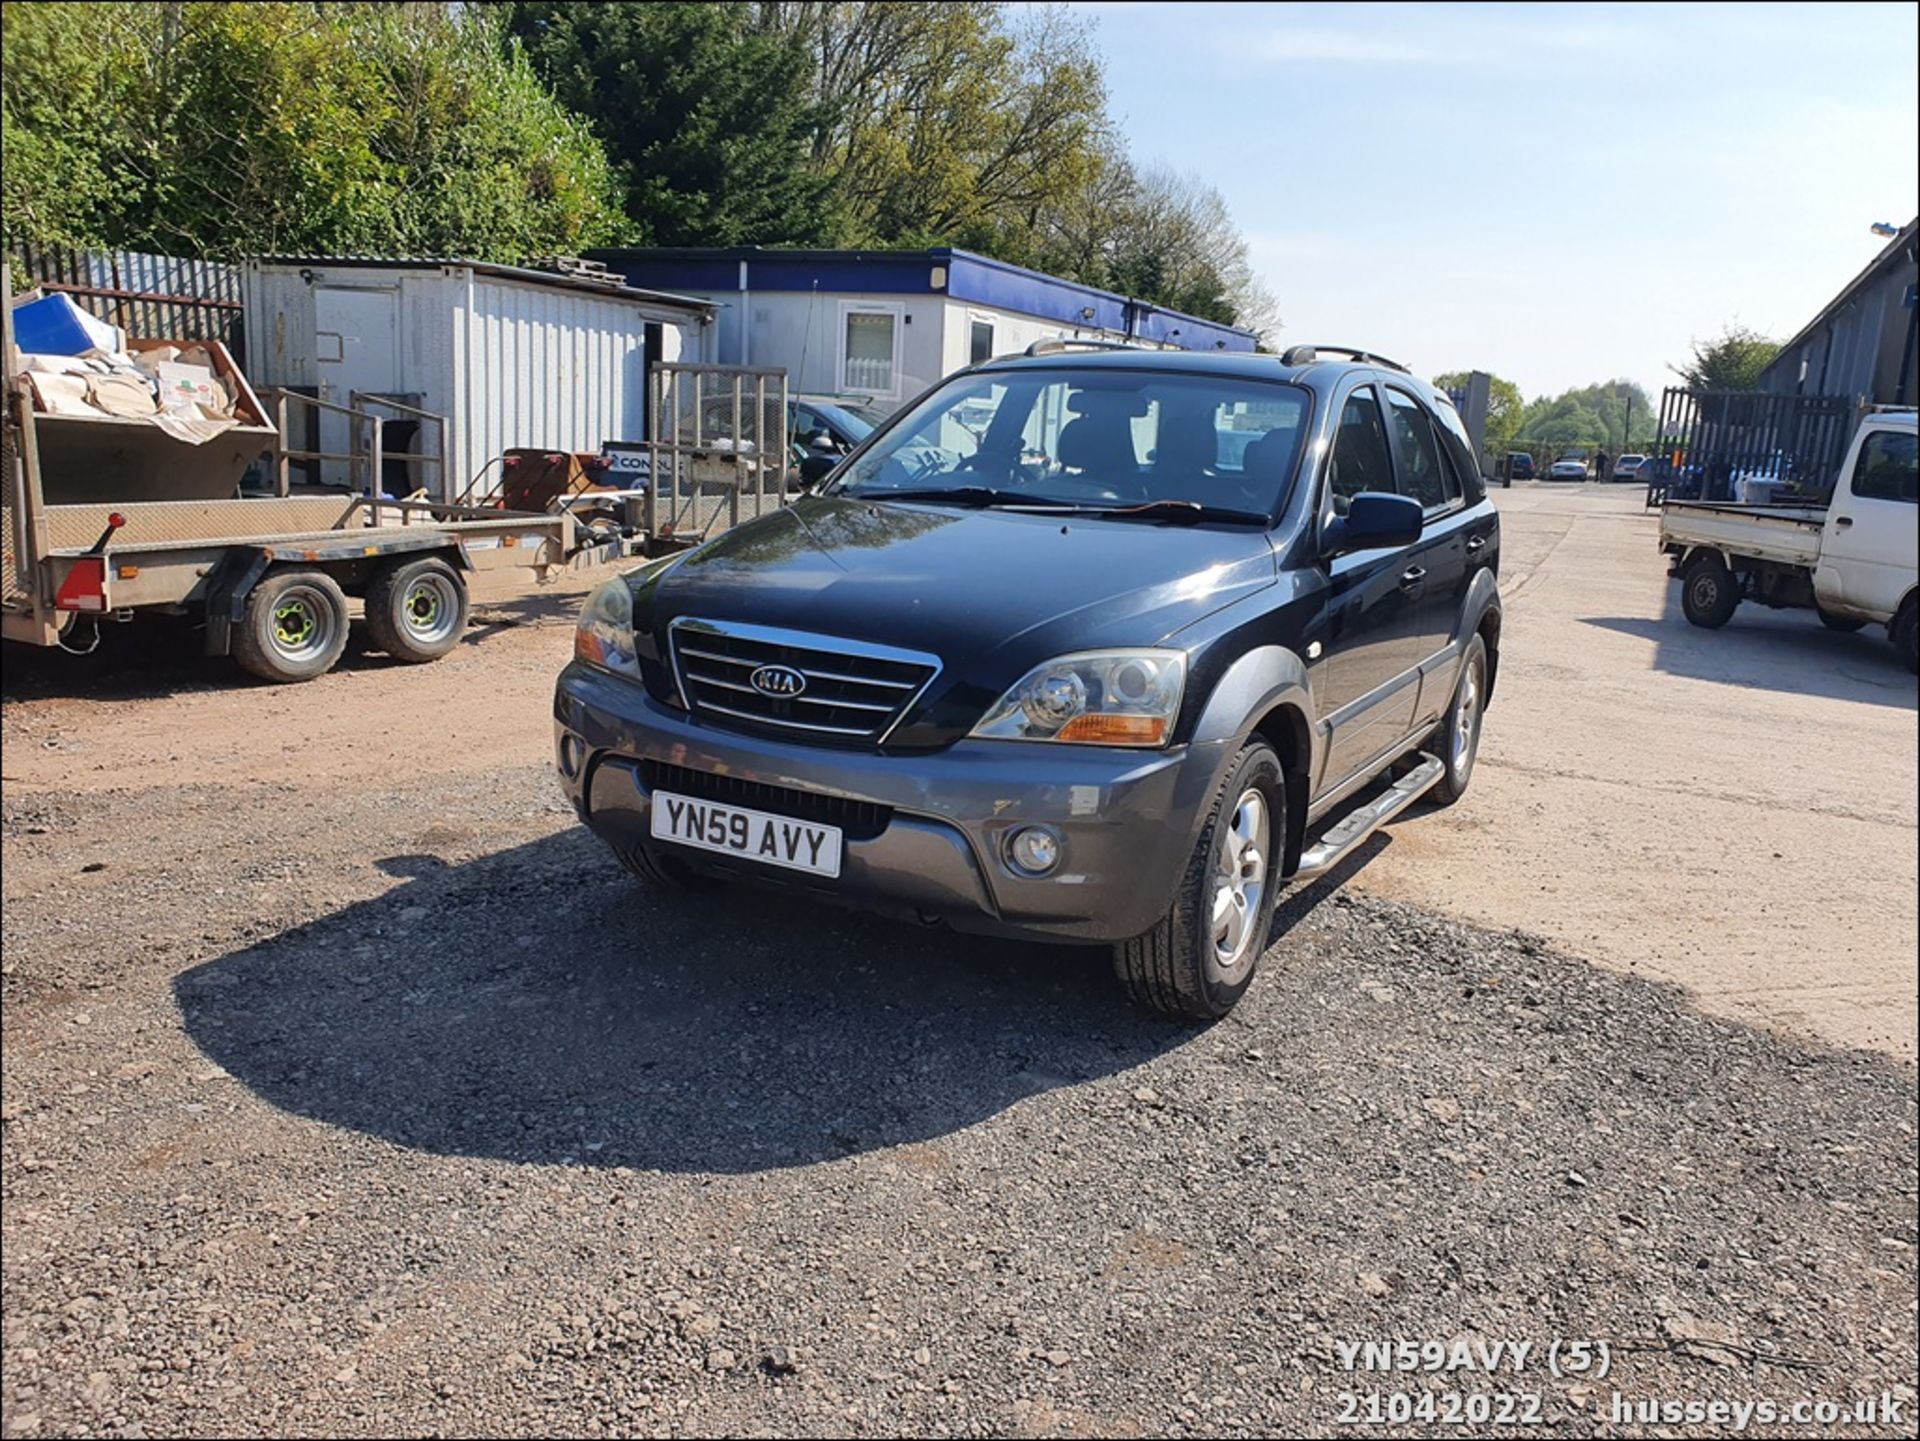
x,y
1627,467
1568,468
1519,465
815,423
1087,680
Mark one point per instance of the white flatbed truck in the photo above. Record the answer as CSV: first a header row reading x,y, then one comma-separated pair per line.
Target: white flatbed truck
x,y
1853,560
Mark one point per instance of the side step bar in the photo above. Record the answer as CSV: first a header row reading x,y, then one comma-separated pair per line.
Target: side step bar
x,y
1352,829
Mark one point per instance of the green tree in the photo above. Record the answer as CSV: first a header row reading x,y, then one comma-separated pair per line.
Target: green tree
x,y
706,114
231,129
1174,243
1614,416
959,123
1732,360
56,175
1505,409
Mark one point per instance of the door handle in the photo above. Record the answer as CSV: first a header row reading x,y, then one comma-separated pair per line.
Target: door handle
x,y
1411,576
1843,521
1478,542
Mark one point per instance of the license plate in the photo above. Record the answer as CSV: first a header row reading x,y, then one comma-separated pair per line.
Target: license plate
x,y
755,835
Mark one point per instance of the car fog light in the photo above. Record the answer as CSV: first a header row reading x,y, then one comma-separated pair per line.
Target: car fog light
x,y
570,749
1033,850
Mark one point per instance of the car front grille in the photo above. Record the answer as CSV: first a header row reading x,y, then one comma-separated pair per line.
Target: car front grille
x,y
848,692
857,820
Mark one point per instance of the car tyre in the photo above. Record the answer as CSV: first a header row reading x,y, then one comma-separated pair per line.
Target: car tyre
x,y
1905,633
1459,737
1845,624
1199,958
294,627
416,610
1709,593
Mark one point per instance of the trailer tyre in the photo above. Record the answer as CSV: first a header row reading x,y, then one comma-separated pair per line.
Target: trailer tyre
x,y
1905,632
1709,593
295,627
417,609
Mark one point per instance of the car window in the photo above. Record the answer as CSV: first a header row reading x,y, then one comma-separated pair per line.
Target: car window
x,y
1359,460
1417,456
1094,434
1886,468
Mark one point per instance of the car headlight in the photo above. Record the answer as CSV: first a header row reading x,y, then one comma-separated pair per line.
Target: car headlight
x,y
604,636
1096,697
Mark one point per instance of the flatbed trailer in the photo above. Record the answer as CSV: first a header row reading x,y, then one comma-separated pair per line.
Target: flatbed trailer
x,y
269,575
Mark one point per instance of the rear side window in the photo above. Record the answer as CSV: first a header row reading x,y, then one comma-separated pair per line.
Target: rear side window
x,y
1422,475
1359,451
1886,469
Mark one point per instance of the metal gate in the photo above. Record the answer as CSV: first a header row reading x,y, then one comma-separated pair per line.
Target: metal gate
x,y
719,452
157,297
1710,440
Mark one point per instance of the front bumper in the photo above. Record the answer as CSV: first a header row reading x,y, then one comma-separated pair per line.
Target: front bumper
x,y
1127,819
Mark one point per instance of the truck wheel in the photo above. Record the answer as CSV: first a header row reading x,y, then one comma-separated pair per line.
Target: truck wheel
x,y
1845,624
1459,737
1199,958
294,628
1709,593
1905,631
417,610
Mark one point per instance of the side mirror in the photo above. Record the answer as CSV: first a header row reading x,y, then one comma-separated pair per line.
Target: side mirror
x,y
1374,520
820,440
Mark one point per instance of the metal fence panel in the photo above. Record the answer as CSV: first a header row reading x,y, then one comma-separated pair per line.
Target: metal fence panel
x,y
719,447
155,297
1710,440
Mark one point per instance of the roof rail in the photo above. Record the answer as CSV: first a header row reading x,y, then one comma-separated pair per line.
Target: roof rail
x,y
1057,344
1307,354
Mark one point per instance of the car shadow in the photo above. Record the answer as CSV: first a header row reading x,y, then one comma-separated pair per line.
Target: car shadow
x,y
537,1005
1789,651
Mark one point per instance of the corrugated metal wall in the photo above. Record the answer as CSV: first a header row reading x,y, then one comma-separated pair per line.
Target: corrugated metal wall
x,y
510,364
559,369
153,297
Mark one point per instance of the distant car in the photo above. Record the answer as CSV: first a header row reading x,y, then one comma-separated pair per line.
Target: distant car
x,y
1519,465
1627,467
1571,468
836,424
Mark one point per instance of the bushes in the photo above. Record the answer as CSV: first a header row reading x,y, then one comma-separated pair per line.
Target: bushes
x,y
230,129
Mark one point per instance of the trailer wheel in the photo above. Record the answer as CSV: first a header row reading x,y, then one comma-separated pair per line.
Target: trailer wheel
x,y
294,628
417,610
1709,594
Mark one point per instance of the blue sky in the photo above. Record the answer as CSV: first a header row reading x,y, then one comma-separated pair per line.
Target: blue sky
x,y
1557,193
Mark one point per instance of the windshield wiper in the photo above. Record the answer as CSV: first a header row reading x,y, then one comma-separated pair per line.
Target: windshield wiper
x,y
1188,511
975,495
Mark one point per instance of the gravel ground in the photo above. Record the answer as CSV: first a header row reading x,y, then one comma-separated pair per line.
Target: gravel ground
x,y
424,1119
350,1089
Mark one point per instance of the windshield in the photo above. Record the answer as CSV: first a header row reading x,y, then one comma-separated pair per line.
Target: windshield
x,y
1094,438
